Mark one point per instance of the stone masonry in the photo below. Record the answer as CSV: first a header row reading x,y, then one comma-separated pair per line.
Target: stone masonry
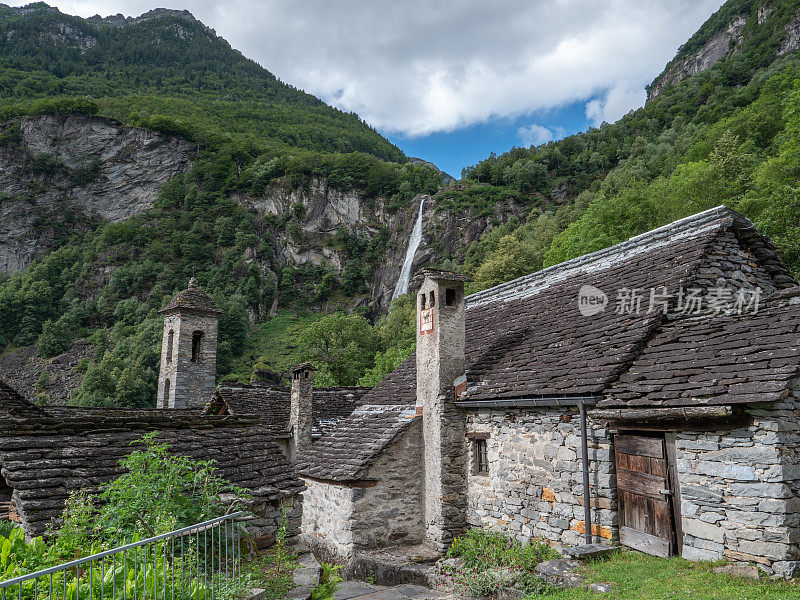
x,y
301,418
187,377
383,508
440,359
740,489
534,487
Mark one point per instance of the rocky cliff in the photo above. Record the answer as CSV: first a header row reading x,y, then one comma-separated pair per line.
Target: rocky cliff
x,y
446,234
59,172
773,21
718,47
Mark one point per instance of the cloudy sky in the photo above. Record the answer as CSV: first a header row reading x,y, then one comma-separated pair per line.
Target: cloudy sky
x,y
449,80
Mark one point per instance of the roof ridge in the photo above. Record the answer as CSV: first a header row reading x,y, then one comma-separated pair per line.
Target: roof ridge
x,y
686,227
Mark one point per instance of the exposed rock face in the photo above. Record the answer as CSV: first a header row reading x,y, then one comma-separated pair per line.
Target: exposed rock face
x,y
89,166
792,40
325,210
715,49
22,368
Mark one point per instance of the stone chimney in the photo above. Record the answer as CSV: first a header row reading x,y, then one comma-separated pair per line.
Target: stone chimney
x,y
440,361
301,412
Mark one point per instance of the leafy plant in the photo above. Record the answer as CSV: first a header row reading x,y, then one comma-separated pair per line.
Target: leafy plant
x,y
491,561
329,581
159,492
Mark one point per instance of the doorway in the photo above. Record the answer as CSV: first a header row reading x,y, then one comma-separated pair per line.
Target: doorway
x,y
644,494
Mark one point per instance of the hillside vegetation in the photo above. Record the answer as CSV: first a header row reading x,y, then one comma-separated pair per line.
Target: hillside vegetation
x,y
168,71
728,134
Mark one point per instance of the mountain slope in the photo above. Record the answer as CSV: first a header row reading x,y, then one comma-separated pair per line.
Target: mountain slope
x,y
720,127
168,70
279,228
137,153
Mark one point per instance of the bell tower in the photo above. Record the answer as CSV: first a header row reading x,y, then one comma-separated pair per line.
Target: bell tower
x,y
187,375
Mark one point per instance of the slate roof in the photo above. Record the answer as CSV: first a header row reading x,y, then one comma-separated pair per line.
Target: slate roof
x,y
45,459
712,361
398,387
192,299
14,404
347,451
272,404
527,339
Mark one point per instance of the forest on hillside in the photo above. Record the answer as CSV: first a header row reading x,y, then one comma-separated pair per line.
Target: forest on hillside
x,y
727,135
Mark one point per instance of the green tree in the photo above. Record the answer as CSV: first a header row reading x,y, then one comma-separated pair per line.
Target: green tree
x,y
341,346
56,337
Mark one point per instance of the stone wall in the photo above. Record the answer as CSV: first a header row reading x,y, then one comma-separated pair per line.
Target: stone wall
x,y
191,384
390,511
740,490
327,519
272,515
383,508
534,487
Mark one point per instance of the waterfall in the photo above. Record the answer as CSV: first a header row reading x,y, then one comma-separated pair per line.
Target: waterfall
x,y
413,243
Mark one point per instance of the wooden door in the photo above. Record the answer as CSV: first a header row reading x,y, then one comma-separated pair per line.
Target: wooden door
x,y
645,515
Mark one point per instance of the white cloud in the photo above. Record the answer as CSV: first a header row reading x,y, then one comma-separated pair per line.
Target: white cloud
x,y
417,67
535,135
615,103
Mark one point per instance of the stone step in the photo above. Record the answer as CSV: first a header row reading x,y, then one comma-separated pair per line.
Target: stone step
x,y
306,577
589,551
388,572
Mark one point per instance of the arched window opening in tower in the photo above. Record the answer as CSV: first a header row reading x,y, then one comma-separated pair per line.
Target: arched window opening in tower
x,y
197,339
170,341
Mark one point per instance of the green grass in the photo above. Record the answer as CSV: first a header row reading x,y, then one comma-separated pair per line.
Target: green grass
x,y
637,576
272,345
271,570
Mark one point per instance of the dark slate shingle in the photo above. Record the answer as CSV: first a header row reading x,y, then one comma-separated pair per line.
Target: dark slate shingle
x,y
45,459
347,451
712,361
272,404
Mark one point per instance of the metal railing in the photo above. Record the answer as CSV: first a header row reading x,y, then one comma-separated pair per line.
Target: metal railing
x,y
200,562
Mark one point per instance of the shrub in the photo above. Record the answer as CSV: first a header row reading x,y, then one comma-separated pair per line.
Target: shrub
x,y
492,561
56,337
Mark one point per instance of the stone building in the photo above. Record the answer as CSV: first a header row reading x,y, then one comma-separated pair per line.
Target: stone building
x,y
188,371
279,408
670,361
45,456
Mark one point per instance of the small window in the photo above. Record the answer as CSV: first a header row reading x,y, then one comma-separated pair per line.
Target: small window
x,y
450,297
197,338
433,299
481,457
170,342
422,299
166,391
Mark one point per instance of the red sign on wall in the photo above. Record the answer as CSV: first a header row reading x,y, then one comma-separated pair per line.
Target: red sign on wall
x,y
426,321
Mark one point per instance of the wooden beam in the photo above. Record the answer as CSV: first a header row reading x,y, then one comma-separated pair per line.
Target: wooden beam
x,y
642,484
662,413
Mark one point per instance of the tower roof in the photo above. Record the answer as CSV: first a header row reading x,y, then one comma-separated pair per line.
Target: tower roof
x,y
192,299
